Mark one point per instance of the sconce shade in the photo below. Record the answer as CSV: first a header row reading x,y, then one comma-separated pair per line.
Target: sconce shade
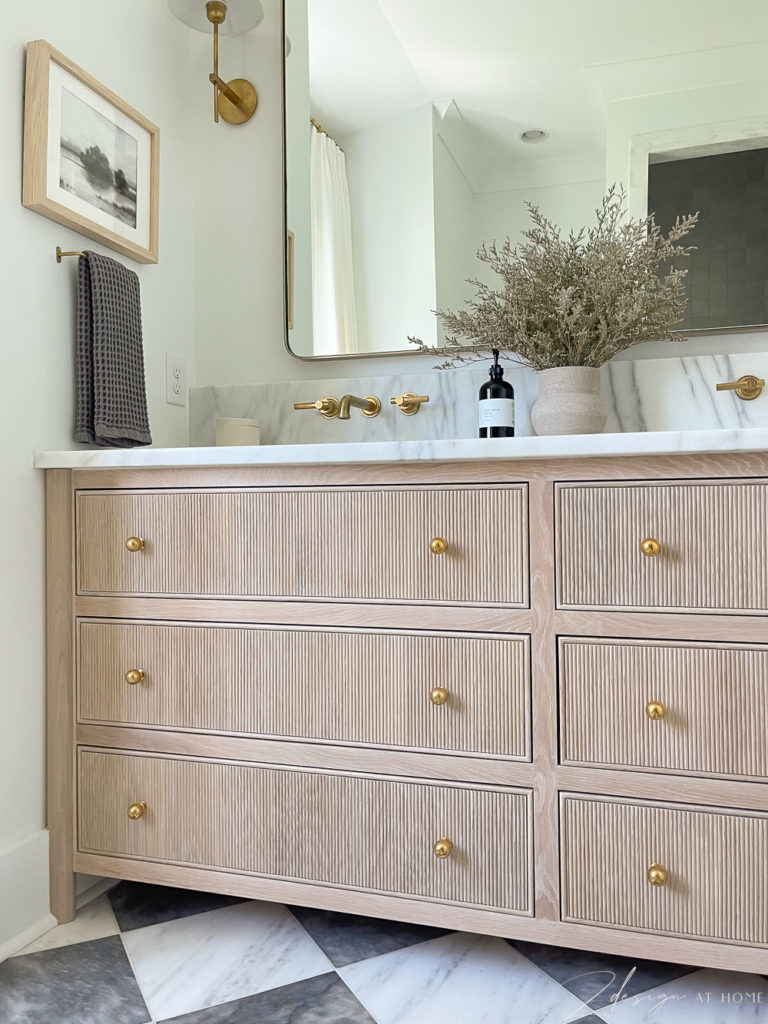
x,y
242,15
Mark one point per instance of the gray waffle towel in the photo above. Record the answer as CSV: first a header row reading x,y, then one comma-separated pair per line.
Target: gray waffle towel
x,y
111,406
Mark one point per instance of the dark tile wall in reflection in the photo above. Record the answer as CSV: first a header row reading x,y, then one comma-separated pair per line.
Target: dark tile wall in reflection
x,y
728,274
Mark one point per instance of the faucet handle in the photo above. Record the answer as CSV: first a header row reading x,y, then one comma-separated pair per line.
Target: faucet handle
x,y
747,387
409,403
327,407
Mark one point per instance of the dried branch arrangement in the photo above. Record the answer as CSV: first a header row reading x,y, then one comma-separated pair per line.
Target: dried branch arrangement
x,y
575,300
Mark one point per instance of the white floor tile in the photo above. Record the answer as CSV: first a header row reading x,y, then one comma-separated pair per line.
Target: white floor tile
x,y
94,921
462,978
199,961
704,997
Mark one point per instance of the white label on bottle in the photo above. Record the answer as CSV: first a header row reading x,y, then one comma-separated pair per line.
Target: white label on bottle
x,y
497,412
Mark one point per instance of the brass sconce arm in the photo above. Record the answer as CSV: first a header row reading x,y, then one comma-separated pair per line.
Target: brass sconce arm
x,y
235,101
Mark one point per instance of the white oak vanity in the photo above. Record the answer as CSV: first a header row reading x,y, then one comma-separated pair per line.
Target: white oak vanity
x,y
504,687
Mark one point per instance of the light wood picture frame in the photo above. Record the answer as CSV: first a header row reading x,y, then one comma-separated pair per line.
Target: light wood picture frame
x,y
91,162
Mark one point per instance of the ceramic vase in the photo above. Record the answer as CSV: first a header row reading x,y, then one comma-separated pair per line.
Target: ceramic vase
x,y
569,401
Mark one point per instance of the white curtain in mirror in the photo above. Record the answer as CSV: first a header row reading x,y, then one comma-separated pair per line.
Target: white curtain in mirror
x,y
333,288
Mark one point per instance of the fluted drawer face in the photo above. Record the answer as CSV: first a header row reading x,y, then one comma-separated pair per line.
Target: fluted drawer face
x,y
319,543
370,833
715,862
330,685
714,698
712,535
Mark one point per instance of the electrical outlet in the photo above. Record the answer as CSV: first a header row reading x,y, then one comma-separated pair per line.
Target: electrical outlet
x,y
175,380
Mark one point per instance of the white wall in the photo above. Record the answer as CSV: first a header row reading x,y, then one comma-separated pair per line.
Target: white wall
x,y
390,176
142,55
455,231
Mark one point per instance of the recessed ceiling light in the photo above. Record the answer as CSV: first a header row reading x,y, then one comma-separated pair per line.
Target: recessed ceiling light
x,y
534,135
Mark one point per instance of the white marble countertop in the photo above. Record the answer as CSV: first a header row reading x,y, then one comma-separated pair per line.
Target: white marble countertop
x,y
460,450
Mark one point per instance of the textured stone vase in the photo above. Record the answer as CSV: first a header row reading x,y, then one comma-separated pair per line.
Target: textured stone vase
x,y
569,401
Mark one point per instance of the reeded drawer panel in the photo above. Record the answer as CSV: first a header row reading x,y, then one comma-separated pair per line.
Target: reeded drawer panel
x,y
362,687
716,866
712,538
367,544
713,699
372,833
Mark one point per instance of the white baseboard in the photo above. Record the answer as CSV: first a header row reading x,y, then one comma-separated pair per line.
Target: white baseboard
x,y
24,893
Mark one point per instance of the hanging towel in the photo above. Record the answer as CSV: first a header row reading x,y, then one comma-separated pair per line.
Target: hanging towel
x,y
111,401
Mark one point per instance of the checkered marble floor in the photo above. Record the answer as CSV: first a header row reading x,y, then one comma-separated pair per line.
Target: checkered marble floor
x,y
143,953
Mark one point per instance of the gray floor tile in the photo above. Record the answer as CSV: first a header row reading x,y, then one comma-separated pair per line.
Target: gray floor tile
x,y
88,983
322,1000
349,938
137,904
596,977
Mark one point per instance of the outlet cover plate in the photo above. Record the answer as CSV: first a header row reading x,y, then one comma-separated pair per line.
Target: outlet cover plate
x,y
175,380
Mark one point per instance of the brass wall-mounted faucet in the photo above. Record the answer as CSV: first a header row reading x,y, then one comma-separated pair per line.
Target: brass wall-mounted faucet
x,y
332,408
409,403
369,406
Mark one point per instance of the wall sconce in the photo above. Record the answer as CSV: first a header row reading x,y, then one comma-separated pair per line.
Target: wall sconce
x,y
236,100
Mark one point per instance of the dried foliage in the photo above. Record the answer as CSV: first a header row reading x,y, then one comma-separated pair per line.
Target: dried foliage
x,y
574,301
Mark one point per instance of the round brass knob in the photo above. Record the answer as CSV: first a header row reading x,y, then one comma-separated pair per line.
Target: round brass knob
x,y
135,675
655,710
650,547
438,546
136,811
442,848
439,695
657,875
135,543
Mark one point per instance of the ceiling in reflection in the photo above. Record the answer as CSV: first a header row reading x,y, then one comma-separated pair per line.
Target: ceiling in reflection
x,y
511,66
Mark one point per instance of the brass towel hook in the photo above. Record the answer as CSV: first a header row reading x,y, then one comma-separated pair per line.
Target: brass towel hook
x,y
60,252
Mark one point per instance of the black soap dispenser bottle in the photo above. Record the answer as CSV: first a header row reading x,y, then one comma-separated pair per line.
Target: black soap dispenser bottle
x,y
497,403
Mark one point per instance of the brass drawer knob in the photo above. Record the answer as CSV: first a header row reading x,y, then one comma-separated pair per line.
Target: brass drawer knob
x,y
438,546
443,848
136,811
135,675
650,547
657,875
439,695
655,710
135,543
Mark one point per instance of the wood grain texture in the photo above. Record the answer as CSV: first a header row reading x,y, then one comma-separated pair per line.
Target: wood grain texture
x,y
335,686
715,696
651,467
60,697
712,536
304,754
716,862
366,833
544,656
321,543
456,618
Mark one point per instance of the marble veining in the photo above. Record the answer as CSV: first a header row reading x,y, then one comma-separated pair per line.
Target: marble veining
x,y
195,962
704,997
459,977
640,395
571,446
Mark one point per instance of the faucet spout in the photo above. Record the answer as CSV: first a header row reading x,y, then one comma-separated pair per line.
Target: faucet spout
x,y
369,406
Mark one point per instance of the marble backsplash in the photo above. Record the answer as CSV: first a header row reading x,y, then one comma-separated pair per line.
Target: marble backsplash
x,y
649,394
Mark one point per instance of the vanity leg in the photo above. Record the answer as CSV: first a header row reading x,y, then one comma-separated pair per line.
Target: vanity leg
x,y
60,690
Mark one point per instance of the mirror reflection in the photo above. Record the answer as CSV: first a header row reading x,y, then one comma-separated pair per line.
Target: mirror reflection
x,y
417,131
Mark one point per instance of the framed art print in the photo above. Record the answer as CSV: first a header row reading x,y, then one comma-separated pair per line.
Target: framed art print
x,y
91,162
